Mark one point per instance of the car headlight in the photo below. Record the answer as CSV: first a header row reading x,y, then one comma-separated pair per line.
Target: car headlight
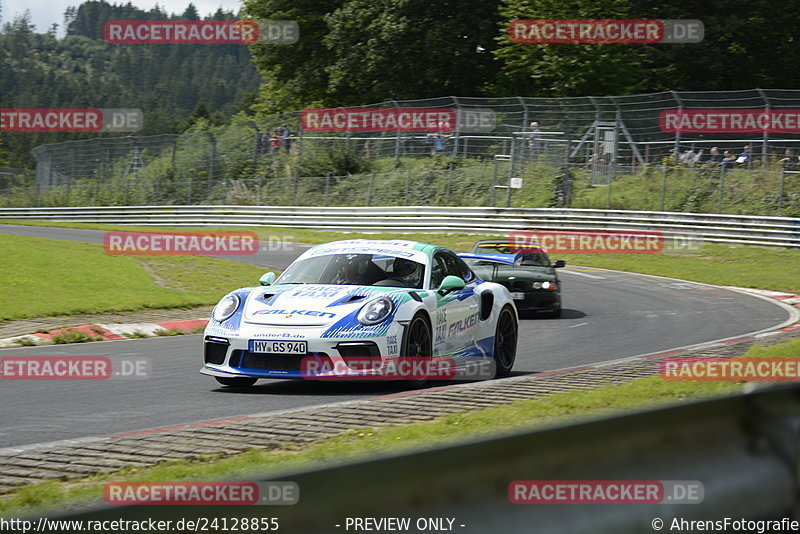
x,y
226,307
545,285
376,311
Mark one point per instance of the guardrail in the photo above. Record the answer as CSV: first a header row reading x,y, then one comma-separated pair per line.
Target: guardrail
x,y
717,228
743,449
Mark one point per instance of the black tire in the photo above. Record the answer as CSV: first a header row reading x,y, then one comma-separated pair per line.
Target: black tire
x,y
556,314
505,342
236,382
417,343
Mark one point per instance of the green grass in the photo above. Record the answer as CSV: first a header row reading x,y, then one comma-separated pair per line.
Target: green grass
x,y
48,277
183,276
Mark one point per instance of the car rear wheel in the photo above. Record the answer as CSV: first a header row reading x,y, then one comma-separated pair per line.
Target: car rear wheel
x,y
505,342
236,382
418,344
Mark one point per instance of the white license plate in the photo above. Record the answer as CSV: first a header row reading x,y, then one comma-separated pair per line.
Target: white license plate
x,y
278,346
518,296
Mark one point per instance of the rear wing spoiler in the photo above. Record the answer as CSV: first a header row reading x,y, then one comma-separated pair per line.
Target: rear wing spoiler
x,y
505,259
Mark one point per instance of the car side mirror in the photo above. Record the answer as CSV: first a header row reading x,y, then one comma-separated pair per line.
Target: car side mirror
x,y
451,283
559,263
267,279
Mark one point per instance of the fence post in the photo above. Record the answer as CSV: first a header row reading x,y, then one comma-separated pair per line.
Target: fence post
x,y
408,184
260,187
664,186
494,180
36,201
721,187
212,162
189,201
449,182
371,188
780,194
456,126
327,187
765,134
511,169
294,189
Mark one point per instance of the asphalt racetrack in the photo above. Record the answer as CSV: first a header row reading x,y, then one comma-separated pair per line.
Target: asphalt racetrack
x,y
607,316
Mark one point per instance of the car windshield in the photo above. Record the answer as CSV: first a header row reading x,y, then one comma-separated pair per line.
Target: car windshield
x,y
538,259
355,269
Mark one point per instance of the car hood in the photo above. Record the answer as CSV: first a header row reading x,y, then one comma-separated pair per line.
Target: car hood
x,y
308,304
503,274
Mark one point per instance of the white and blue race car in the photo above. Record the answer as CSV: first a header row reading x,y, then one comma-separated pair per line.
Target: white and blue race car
x,y
343,302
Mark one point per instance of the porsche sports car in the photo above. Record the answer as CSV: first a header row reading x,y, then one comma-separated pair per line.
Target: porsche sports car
x,y
345,301
533,282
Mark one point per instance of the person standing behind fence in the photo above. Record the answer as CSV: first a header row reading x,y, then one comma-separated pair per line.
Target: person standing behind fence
x,y
744,157
533,139
728,159
715,157
285,132
263,143
790,161
275,142
443,132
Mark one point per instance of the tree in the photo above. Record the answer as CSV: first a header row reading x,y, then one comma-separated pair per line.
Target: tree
x,y
360,51
190,13
389,49
736,33
294,75
568,69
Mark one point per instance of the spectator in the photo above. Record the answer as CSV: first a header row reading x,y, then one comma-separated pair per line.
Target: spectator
x,y
533,138
275,142
600,157
715,157
744,157
790,161
285,132
443,132
263,143
690,157
728,159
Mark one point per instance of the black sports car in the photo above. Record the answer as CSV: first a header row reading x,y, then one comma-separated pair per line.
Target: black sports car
x,y
533,283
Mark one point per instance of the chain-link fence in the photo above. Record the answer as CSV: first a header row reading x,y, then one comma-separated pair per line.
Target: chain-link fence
x,y
595,152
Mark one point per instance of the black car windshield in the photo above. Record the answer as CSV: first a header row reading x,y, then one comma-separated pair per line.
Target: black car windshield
x,y
535,259
355,269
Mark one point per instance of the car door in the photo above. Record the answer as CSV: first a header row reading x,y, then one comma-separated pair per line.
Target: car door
x,y
456,317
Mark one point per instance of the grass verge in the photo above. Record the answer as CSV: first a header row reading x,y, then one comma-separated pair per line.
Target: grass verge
x,y
49,277
756,267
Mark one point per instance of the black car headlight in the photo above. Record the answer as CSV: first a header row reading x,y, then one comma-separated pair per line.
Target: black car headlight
x,y
376,311
226,307
544,285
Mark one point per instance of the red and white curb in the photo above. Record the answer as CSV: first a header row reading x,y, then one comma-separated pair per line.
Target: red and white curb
x,y
105,332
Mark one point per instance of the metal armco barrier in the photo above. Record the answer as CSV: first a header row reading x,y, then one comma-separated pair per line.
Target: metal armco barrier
x,y
744,450
715,228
